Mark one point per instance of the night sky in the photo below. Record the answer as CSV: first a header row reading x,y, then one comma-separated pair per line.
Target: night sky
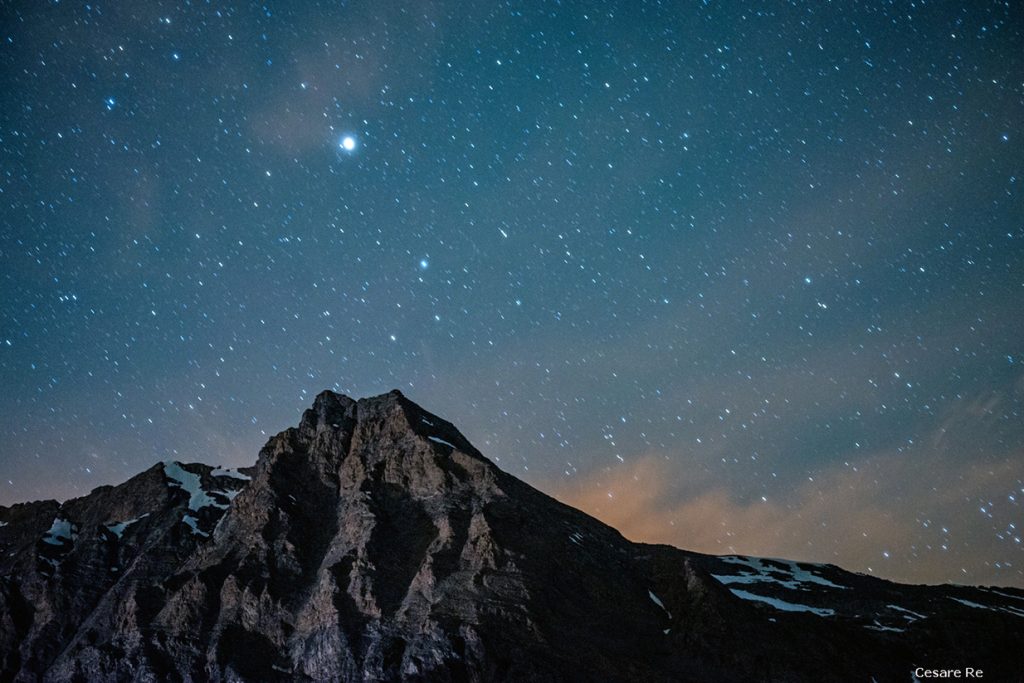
x,y
740,279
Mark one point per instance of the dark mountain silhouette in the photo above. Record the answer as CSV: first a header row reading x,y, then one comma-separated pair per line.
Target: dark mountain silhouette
x,y
374,542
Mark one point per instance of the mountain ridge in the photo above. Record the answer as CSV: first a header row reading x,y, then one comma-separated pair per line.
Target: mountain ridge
x,y
374,542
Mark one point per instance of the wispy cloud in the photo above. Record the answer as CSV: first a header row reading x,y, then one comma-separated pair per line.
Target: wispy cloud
x,y
922,515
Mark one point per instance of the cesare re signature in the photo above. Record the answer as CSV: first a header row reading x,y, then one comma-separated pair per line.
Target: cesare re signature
x,y
967,672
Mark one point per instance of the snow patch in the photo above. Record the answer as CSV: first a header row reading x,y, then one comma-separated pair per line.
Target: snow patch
x,y
782,604
970,604
442,442
1009,610
798,576
117,528
987,590
908,615
61,531
199,498
1015,611
659,603
222,472
803,576
194,524
191,484
878,627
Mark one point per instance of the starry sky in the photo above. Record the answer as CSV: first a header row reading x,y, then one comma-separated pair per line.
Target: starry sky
x,y
739,277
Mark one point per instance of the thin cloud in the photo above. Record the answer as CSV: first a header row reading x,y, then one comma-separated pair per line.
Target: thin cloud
x,y
925,518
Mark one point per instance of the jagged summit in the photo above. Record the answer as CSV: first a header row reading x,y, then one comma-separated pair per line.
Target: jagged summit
x,y
332,412
374,542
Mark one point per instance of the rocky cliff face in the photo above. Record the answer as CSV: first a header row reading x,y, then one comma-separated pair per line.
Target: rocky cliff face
x,y
373,542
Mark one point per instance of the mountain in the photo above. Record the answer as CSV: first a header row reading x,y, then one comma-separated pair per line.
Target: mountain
x,y
374,542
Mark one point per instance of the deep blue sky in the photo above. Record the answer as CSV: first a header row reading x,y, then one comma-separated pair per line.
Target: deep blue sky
x,y
738,278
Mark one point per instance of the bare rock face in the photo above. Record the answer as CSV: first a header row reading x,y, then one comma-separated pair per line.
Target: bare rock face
x,y
374,543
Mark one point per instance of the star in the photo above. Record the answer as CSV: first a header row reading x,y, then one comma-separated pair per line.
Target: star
x,y
348,143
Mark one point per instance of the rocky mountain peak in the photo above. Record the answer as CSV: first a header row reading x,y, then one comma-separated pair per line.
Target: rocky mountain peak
x,y
329,411
380,425
374,542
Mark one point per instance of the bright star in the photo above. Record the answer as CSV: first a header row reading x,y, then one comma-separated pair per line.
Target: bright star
x,y
348,143
424,263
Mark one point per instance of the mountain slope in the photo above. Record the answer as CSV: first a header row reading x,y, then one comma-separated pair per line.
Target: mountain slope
x,y
373,542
